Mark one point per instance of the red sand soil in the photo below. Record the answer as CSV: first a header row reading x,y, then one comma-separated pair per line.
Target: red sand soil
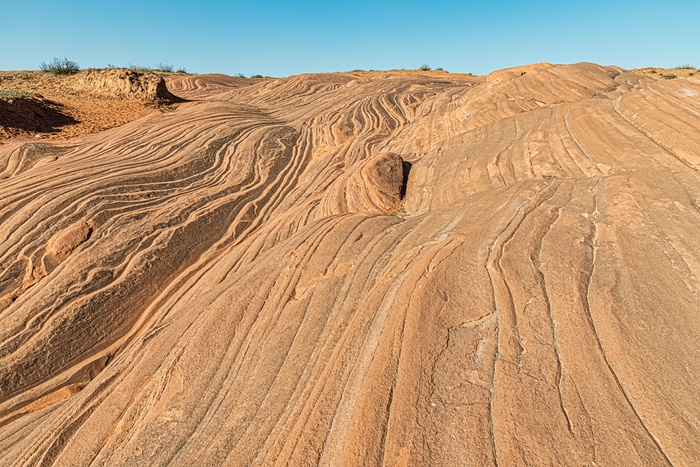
x,y
40,105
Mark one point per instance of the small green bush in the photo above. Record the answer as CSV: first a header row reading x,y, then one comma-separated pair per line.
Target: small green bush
x,y
164,67
182,69
257,76
60,67
425,67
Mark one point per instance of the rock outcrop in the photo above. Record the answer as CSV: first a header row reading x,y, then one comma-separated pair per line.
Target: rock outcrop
x,y
120,83
259,279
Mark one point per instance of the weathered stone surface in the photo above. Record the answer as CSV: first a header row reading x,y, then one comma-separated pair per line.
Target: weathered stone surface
x,y
241,282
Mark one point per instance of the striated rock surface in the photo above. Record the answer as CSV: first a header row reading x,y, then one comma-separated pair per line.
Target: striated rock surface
x,y
361,269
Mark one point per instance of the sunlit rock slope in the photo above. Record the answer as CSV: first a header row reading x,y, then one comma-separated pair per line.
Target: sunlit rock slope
x,y
407,268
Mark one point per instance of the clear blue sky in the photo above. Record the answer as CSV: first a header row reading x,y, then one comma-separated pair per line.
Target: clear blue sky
x,y
283,38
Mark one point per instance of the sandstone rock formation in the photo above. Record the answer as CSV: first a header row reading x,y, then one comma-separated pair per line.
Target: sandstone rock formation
x,y
259,279
123,84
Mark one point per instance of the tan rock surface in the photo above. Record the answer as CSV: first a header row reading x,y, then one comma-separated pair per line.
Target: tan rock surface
x,y
243,282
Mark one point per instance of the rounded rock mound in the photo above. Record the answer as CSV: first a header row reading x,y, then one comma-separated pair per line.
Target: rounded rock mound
x,y
374,185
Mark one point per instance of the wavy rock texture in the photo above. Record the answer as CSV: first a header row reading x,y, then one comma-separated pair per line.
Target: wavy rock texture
x,y
361,269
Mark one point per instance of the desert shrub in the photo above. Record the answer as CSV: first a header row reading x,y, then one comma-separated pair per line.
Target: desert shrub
x,y
240,75
686,67
164,67
425,67
182,69
139,68
669,76
257,76
60,66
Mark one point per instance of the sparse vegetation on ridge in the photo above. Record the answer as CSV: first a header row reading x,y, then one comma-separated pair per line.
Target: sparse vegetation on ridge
x,y
161,67
140,68
60,66
681,71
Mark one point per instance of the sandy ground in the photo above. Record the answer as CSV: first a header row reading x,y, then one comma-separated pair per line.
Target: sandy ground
x,y
57,110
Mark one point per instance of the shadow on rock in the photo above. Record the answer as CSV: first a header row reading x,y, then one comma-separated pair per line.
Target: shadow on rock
x,y
33,114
